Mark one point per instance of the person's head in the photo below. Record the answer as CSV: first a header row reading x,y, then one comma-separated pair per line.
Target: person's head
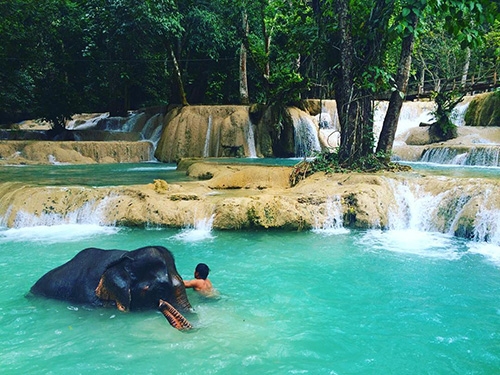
x,y
202,271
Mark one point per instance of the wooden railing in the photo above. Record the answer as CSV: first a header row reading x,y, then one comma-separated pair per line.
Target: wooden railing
x,y
475,83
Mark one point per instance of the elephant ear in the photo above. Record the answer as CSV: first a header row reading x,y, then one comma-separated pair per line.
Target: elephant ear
x,y
114,286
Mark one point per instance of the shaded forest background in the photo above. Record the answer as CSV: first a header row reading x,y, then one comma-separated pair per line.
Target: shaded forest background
x,y
61,57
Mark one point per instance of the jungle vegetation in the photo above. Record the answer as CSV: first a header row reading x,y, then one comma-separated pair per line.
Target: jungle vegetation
x,y
61,57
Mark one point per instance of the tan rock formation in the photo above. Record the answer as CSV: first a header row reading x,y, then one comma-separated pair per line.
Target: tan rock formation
x,y
257,197
202,131
45,152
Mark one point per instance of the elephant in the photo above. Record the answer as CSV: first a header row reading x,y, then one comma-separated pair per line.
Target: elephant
x,y
141,279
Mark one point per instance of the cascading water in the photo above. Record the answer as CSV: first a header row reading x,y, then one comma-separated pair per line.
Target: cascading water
x,y
487,226
306,136
200,230
481,156
458,114
413,208
87,124
206,148
90,213
416,209
334,222
250,136
412,114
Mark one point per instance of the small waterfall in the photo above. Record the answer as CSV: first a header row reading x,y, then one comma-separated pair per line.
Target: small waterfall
x,y
151,126
418,210
412,114
414,208
91,212
206,149
329,128
306,136
334,222
486,156
482,156
131,122
250,140
87,124
201,230
458,114
487,226
439,155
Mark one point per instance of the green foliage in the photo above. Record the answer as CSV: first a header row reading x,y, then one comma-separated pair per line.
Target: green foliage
x,y
484,110
60,57
329,162
446,101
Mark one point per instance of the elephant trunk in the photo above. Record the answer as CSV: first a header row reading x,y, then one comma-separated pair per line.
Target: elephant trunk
x,y
174,317
181,299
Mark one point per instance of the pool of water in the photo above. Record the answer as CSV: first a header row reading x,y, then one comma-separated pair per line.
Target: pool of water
x,y
318,302
456,171
92,174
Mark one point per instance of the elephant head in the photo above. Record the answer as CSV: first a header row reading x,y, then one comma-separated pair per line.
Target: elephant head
x,y
146,279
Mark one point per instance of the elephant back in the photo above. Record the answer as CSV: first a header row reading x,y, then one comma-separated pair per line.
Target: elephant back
x,y
77,279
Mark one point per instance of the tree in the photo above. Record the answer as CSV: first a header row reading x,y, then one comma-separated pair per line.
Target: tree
x,y
362,34
38,64
360,58
463,19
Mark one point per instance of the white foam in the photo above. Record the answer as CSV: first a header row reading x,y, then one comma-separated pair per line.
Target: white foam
x,y
333,223
55,233
414,242
488,250
202,230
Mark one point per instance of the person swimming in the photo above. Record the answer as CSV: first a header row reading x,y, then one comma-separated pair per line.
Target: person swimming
x,y
201,283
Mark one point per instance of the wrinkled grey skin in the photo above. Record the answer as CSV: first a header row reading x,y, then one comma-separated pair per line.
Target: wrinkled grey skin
x,y
130,280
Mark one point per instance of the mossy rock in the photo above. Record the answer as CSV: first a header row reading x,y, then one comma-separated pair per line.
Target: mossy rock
x,y
484,110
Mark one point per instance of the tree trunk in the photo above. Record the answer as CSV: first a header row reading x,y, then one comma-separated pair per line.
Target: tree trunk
x,y
244,97
386,139
178,78
344,87
465,71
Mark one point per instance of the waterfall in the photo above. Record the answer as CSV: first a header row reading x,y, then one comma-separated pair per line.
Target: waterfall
x,y
306,136
206,149
481,156
416,209
87,124
458,114
91,212
412,114
252,152
201,230
487,226
334,222
131,122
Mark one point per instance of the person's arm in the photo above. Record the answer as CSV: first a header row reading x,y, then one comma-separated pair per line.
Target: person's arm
x,y
195,283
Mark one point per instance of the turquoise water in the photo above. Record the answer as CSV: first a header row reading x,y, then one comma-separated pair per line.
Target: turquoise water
x,y
455,171
319,302
113,174
91,175
342,302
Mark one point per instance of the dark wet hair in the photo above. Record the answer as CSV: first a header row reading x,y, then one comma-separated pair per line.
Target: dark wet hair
x,y
202,270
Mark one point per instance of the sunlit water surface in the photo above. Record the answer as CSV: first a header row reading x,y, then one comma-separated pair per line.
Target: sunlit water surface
x,y
343,302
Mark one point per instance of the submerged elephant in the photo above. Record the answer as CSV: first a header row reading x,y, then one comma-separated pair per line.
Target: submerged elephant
x,y
145,278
